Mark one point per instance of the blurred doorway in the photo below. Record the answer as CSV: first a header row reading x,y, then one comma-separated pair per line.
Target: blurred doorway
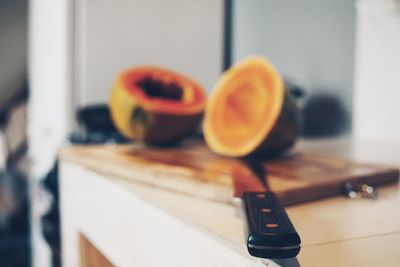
x,y
14,200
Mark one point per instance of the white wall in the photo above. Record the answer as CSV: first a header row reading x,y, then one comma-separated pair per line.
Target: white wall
x,y
185,35
50,106
377,90
310,41
76,49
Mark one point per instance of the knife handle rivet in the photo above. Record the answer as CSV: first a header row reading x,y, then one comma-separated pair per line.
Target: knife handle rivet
x,y
260,195
265,210
271,225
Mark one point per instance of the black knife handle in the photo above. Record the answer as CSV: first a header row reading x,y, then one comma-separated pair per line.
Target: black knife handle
x,y
270,233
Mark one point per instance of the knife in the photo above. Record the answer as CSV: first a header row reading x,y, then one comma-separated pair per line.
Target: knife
x,y
269,231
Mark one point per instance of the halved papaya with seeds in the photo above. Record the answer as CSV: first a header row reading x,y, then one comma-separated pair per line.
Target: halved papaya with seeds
x,y
156,105
250,111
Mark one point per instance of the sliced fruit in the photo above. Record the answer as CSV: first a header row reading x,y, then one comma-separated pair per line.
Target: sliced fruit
x,y
156,105
250,112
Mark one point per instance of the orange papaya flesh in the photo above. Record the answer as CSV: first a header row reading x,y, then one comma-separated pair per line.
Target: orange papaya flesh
x,y
250,112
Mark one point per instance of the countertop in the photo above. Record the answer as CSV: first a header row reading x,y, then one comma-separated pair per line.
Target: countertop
x,y
335,231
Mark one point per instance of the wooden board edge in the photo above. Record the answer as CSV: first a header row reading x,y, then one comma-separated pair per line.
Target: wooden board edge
x,y
320,191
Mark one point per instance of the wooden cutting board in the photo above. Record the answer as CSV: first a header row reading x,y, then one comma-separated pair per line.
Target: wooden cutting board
x,y
193,169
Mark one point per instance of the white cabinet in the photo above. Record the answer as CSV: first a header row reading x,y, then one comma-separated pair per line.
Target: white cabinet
x,y
377,69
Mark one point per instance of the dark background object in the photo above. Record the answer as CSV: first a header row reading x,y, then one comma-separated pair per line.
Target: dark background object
x,y
228,26
95,118
295,90
51,219
324,115
95,126
15,242
14,230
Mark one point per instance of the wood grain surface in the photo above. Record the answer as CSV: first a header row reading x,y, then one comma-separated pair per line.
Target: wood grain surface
x,y
90,256
192,169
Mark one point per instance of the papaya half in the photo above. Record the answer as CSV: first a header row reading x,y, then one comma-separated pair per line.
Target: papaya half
x,y
156,105
250,112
